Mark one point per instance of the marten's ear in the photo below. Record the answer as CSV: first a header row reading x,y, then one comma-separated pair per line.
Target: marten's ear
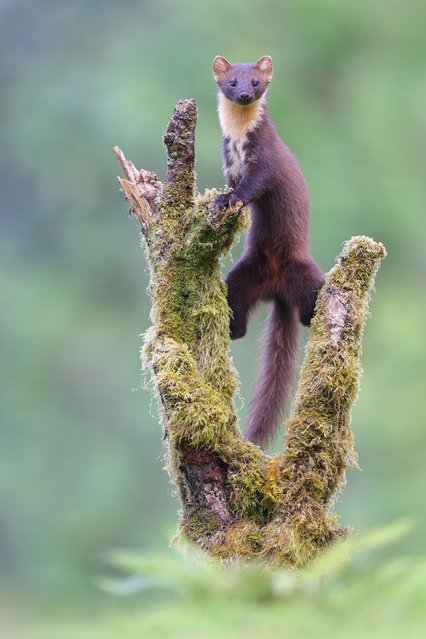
x,y
264,65
220,67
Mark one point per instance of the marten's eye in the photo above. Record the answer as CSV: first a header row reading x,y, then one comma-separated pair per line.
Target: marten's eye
x,y
255,83
233,83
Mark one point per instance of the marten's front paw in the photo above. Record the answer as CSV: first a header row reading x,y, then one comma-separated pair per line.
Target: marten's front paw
x,y
226,201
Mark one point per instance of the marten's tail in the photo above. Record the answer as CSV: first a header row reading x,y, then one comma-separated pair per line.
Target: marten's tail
x,y
276,373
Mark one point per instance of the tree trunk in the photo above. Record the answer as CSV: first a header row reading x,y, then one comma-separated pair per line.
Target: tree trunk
x,y
236,500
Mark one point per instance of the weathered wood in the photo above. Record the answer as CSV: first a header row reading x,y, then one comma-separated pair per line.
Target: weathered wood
x,y
236,500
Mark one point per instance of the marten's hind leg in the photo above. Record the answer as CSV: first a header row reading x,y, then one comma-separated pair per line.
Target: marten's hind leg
x,y
301,284
246,287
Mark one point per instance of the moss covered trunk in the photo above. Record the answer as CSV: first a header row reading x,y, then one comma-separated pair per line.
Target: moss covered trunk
x,y
236,500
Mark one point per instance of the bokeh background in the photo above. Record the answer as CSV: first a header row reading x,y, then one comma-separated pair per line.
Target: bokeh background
x,y
81,455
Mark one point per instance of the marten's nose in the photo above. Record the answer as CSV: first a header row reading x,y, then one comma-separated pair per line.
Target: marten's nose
x,y
244,98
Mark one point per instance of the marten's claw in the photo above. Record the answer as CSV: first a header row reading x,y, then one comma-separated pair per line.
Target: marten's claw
x,y
226,201
221,203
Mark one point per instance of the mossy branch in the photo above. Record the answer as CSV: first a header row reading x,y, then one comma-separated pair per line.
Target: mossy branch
x,y
236,500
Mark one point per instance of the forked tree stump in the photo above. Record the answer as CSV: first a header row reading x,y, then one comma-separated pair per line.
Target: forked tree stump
x,y
236,500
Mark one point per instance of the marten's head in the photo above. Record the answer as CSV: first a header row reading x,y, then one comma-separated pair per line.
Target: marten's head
x,y
243,83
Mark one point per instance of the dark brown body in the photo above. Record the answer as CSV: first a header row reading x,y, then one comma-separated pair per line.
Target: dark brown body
x,y
276,262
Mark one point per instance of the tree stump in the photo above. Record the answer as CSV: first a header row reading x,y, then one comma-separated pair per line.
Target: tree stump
x,y
238,502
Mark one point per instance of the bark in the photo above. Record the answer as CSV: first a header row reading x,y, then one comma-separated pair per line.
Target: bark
x,y
236,500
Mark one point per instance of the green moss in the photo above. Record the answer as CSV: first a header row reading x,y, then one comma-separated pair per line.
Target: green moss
x,y
196,413
198,523
296,539
241,540
273,486
247,479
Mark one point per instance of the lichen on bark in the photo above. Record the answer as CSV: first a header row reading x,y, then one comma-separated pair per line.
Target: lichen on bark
x,y
236,500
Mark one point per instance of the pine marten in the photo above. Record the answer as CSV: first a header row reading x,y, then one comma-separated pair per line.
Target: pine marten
x,y
276,264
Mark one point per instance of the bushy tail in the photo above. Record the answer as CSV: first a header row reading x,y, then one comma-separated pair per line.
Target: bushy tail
x,y
276,373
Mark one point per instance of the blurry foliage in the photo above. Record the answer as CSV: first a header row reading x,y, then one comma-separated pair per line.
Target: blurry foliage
x,y
348,592
188,572
80,460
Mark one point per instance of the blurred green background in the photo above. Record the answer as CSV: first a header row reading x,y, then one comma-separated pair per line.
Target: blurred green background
x,y
80,455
